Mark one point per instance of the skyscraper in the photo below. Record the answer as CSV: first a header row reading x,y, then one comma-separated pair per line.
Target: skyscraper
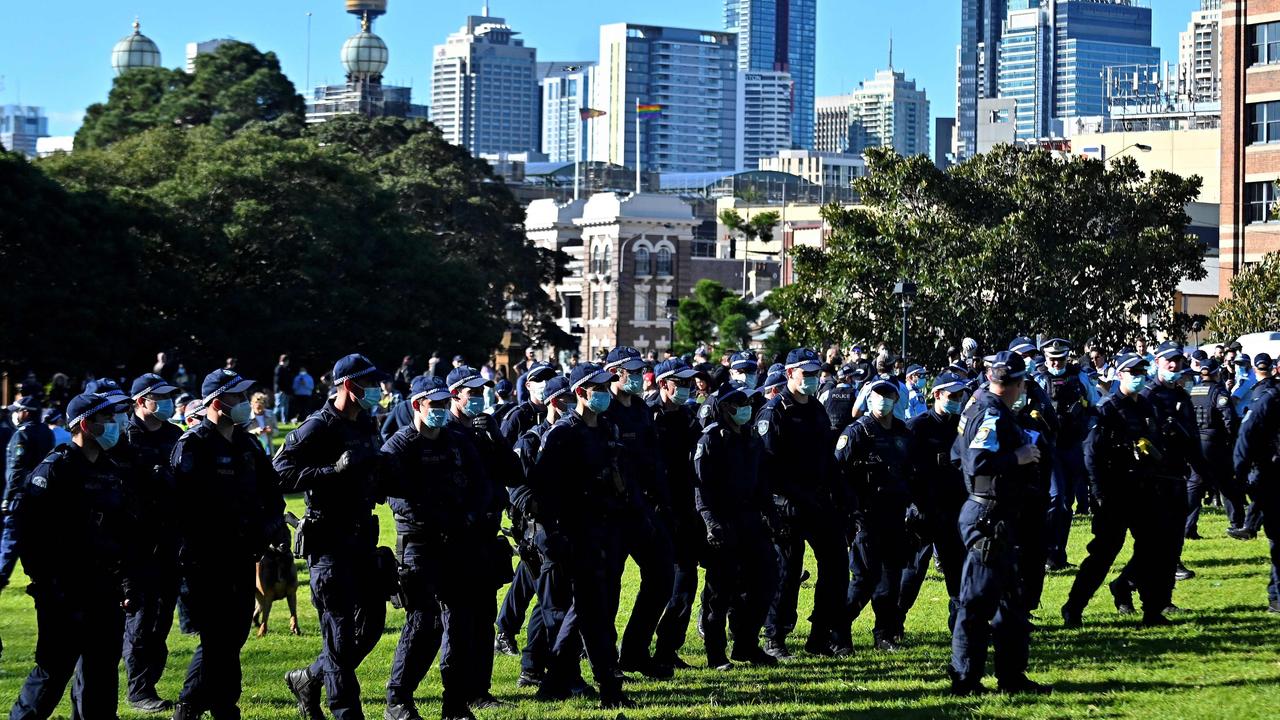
x,y
1053,55
1200,52
886,111
21,126
981,23
484,89
566,92
765,118
689,81
780,36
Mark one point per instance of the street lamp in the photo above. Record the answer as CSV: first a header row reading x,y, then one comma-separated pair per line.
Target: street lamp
x,y
905,291
673,307
514,313
1140,147
512,338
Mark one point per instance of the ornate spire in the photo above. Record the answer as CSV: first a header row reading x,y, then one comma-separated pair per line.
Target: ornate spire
x,y
364,21
137,26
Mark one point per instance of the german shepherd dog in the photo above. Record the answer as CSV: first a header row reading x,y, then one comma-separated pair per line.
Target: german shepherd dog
x,y
277,580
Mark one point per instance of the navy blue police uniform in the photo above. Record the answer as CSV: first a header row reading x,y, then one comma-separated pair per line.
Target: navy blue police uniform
x,y
529,412
838,402
677,433
240,512
646,534
334,461
28,446
79,550
991,608
1256,465
1218,423
795,434
1120,456
150,483
735,508
1072,403
938,491
874,463
442,501
580,499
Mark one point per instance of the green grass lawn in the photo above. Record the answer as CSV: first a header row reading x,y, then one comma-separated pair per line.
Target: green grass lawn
x,y
1222,659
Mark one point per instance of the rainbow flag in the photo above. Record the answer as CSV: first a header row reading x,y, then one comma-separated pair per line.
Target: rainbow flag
x,y
649,110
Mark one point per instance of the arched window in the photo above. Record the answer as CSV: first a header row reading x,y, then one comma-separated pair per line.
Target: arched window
x,y
664,262
642,262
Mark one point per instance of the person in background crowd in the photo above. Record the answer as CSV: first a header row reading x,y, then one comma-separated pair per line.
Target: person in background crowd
x,y
281,386
54,419
303,388
60,393
262,423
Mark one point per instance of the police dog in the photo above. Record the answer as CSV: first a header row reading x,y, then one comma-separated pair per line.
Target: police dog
x,y
277,579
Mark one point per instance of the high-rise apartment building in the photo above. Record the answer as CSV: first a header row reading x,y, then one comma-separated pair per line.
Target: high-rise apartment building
x,y
1250,135
1053,56
886,111
566,92
688,82
484,88
780,36
765,117
196,49
1200,52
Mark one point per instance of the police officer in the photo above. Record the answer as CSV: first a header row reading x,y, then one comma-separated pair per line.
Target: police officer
x,y
734,502
1257,467
795,433
531,411
527,415
580,498
1120,455
1257,377
993,450
77,546
333,459
646,535
30,443
220,470
535,656
884,370
743,367
917,403
466,414
1218,423
938,492
441,500
677,434
839,401
871,455
1073,401
504,400
150,442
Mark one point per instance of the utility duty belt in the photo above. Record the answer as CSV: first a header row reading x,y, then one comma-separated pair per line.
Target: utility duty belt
x,y
989,486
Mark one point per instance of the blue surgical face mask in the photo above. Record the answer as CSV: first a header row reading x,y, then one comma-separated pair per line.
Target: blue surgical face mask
x,y
1021,402
164,410
880,405
370,397
742,415
240,413
536,390
810,386
682,395
599,401
748,379
110,435
1131,382
1058,372
633,385
1168,377
952,407
437,417
474,406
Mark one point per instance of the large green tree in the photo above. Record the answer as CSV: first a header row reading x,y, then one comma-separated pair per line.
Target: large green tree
x,y
1253,305
232,86
713,315
1010,242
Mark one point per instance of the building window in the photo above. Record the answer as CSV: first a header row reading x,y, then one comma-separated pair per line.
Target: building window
x,y
642,262
1264,43
642,306
573,306
1259,197
1264,122
664,262
704,248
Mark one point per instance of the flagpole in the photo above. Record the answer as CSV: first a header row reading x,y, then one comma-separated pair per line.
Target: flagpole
x,y
638,163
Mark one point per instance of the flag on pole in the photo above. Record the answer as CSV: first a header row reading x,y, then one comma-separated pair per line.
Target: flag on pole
x,y
589,113
648,111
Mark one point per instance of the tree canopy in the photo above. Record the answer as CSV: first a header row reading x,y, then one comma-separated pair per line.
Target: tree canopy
x,y
713,316
1011,242
199,214
1252,306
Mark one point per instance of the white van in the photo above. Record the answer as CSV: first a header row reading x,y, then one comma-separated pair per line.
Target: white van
x,y
1254,343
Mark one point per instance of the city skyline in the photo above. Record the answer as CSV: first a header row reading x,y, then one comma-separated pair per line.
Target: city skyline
x,y
79,73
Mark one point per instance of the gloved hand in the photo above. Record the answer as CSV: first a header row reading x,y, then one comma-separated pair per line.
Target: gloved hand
x,y
483,423
345,462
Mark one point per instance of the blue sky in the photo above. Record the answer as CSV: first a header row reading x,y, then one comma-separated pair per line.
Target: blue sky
x,y
56,53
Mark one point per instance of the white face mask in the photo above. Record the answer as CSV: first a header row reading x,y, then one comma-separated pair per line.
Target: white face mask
x,y
536,390
880,405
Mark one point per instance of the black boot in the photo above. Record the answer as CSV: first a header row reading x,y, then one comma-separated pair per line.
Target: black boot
x,y
183,711
306,688
401,711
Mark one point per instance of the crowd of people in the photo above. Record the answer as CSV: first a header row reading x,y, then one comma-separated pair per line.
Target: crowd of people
x,y
121,504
